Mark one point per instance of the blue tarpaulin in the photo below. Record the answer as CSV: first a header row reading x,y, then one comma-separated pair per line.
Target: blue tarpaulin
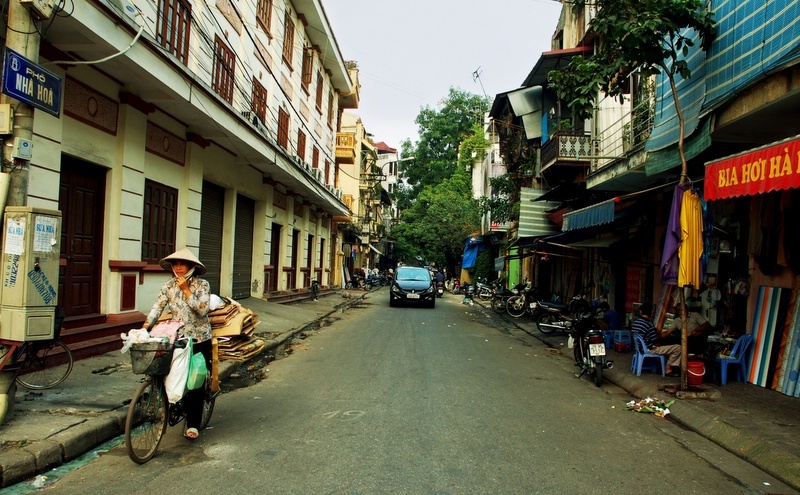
x,y
472,246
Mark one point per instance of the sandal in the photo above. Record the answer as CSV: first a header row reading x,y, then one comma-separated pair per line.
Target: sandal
x,y
191,433
674,373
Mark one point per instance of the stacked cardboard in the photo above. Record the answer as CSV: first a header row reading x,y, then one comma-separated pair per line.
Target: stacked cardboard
x,y
233,326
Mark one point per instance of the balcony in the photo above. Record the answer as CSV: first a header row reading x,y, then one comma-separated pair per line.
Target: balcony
x,y
345,148
567,149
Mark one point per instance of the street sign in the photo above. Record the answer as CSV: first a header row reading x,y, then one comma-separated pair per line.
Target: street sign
x,y
31,83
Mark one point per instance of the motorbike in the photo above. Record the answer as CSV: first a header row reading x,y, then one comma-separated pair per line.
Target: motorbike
x,y
589,346
501,296
456,287
485,290
439,289
552,317
524,302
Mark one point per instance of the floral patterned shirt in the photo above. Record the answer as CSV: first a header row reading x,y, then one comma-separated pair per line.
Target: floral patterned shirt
x,y
193,311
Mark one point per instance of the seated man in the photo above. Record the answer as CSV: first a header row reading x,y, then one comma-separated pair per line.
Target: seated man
x,y
609,319
699,328
645,328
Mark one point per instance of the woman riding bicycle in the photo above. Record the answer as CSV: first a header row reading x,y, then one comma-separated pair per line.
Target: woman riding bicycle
x,y
186,297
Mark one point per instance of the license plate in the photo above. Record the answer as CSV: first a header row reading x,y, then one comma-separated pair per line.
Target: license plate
x,y
597,350
412,296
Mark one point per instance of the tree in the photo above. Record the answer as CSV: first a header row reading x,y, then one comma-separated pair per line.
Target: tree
x,y
439,220
441,133
649,36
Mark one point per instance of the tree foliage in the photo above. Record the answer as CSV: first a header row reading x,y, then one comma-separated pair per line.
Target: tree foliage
x,y
648,36
437,223
441,133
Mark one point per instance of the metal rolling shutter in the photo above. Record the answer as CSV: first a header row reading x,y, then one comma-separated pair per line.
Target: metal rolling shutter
x,y
243,247
211,218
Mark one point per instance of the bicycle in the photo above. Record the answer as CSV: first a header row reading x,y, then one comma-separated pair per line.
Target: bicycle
x,y
40,364
150,412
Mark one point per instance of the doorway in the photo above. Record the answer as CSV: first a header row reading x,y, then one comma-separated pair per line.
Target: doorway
x,y
82,203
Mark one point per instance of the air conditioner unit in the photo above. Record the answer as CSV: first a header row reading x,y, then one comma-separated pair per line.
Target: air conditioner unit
x,y
317,174
337,192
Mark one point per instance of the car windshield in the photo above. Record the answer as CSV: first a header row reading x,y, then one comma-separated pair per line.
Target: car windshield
x,y
422,275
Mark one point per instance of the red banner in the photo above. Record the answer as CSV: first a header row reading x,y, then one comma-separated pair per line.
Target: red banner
x,y
772,168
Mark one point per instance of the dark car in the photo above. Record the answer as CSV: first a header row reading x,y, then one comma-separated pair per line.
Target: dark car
x,y
413,285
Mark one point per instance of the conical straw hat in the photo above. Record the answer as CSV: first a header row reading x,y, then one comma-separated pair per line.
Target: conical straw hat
x,y
185,255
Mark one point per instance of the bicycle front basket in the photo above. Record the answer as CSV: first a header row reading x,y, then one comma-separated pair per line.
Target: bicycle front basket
x,y
151,358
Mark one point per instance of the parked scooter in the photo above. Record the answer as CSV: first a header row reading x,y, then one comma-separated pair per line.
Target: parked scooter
x,y
589,346
485,290
524,302
554,317
456,287
501,296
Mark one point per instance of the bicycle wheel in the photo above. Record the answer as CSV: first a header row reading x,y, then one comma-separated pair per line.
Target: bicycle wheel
x,y
147,420
45,365
208,405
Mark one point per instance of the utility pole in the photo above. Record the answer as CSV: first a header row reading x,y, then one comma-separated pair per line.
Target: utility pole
x,y
22,37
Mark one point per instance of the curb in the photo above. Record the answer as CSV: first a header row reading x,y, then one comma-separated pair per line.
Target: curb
x,y
26,461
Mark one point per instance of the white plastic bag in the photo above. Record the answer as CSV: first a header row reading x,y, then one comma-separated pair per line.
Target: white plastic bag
x,y
175,382
135,336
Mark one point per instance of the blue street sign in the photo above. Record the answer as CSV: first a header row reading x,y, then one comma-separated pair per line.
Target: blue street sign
x,y
31,83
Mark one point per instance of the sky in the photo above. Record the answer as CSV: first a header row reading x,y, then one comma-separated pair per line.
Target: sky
x,y
411,52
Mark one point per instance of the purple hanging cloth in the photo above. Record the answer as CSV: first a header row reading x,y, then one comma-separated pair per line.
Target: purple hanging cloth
x,y
672,239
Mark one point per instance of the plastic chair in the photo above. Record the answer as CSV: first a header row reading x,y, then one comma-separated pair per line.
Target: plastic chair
x,y
641,353
622,339
737,358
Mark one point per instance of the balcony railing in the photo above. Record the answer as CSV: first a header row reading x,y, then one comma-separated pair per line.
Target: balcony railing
x,y
567,148
346,147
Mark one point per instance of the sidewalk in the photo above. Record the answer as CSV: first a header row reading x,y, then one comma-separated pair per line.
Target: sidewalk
x,y
51,427
755,423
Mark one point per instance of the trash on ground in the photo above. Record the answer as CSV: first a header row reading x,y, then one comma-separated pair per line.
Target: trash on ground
x,y
650,405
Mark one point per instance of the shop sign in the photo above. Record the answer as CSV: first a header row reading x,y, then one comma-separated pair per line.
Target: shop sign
x,y
771,168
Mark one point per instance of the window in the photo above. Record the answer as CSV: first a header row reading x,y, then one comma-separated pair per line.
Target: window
x,y
172,30
288,39
315,157
319,92
308,63
327,172
264,14
159,219
259,104
330,108
224,65
301,144
283,129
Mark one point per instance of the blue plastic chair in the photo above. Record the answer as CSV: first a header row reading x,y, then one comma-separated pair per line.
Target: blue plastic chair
x,y
641,354
737,358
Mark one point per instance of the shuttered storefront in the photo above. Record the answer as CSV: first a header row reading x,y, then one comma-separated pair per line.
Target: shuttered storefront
x,y
243,247
211,215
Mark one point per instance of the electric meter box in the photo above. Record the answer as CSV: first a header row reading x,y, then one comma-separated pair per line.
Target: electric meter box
x,y
31,252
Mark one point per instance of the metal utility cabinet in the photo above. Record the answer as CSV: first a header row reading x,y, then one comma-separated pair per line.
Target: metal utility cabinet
x,y
31,250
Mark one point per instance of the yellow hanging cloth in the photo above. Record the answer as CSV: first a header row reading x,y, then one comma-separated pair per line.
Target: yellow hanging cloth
x,y
691,248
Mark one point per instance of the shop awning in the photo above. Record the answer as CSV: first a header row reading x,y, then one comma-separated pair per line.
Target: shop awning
x,y
774,167
375,249
590,216
598,214
533,221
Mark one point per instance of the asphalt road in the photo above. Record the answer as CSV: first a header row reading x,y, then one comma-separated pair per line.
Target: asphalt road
x,y
431,401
